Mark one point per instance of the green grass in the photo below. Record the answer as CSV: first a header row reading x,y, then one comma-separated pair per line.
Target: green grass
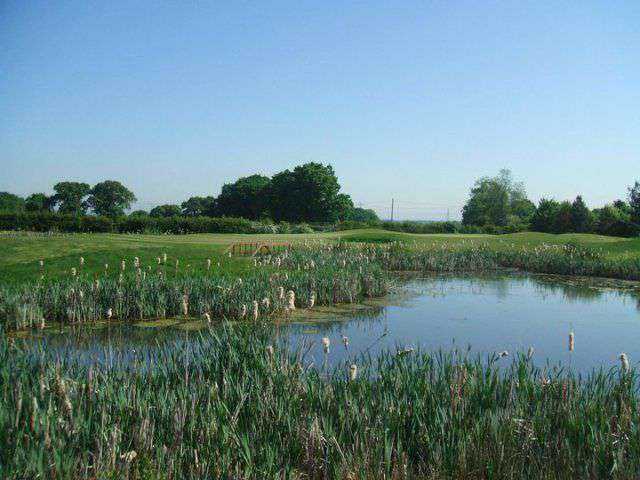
x,y
20,255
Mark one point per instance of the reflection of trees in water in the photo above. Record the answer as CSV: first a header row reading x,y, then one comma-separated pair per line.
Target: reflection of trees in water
x,y
575,290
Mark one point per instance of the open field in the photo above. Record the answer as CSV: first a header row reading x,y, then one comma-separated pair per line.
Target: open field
x,y
21,253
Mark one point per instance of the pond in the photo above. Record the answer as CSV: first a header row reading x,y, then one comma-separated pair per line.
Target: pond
x,y
487,314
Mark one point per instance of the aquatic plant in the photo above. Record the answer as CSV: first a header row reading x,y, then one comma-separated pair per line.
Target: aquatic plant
x,y
234,402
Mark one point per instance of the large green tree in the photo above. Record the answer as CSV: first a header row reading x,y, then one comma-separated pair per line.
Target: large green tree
x,y
581,218
38,202
309,193
366,215
199,206
563,221
166,211
110,198
246,197
10,202
70,197
497,201
544,218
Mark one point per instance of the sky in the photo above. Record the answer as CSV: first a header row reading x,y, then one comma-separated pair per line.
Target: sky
x,y
407,100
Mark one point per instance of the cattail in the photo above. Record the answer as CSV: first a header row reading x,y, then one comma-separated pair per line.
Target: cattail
x,y
353,372
136,262
255,310
571,341
81,261
207,317
325,344
185,305
266,302
345,341
129,456
281,293
109,313
177,263
530,353
123,265
73,271
41,324
208,264
291,300
270,350
243,311
624,362
312,299
41,263
164,258
34,414
159,260
106,266
503,354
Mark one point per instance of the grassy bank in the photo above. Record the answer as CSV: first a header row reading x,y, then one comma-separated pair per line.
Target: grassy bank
x,y
228,406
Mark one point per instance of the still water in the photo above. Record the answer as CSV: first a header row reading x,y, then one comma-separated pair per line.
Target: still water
x,y
489,313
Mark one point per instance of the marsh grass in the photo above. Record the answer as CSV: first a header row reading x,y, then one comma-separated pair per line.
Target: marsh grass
x,y
234,403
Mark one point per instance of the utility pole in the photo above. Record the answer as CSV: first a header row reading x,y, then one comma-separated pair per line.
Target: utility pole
x,y
447,214
392,201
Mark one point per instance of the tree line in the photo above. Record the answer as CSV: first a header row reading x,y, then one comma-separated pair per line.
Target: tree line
x,y
501,203
310,193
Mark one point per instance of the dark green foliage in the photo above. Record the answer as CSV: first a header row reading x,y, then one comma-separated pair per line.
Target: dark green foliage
x,y
139,213
166,211
545,216
110,198
199,207
363,215
10,202
38,202
246,197
70,197
581,218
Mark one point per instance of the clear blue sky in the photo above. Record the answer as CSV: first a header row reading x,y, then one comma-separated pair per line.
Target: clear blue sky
x,y
407,99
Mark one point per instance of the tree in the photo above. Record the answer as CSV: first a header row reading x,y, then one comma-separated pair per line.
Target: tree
x,y
166,211
199,206
562,223
38,202
246,197
581,220
634,202
309,193
69,197
610,220
544,218
139,213
10,202
110,198
364,215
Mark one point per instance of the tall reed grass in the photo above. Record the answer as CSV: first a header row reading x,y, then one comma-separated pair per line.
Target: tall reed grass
x,y
235,403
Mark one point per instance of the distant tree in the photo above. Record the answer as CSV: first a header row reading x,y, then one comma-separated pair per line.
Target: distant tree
x,y
489,202
139,213
309,193
544,218
38,202
610,220
166,211
634,202
623,207
70,197
10,202
110,198
563,221
341,208
581,220
199,206
246,197
365,215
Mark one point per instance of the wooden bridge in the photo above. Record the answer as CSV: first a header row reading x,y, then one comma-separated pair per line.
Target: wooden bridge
x,y
257,248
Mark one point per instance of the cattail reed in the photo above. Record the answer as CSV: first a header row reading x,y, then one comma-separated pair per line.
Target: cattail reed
x,y
164,258
255,310
571,341
73,271
185,305
109,313
123,265
207,317
312,299
353,372
291,300
81,261
624,362
208,264
325,344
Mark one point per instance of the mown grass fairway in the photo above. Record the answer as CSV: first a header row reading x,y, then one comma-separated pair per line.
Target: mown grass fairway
x,y
21,253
